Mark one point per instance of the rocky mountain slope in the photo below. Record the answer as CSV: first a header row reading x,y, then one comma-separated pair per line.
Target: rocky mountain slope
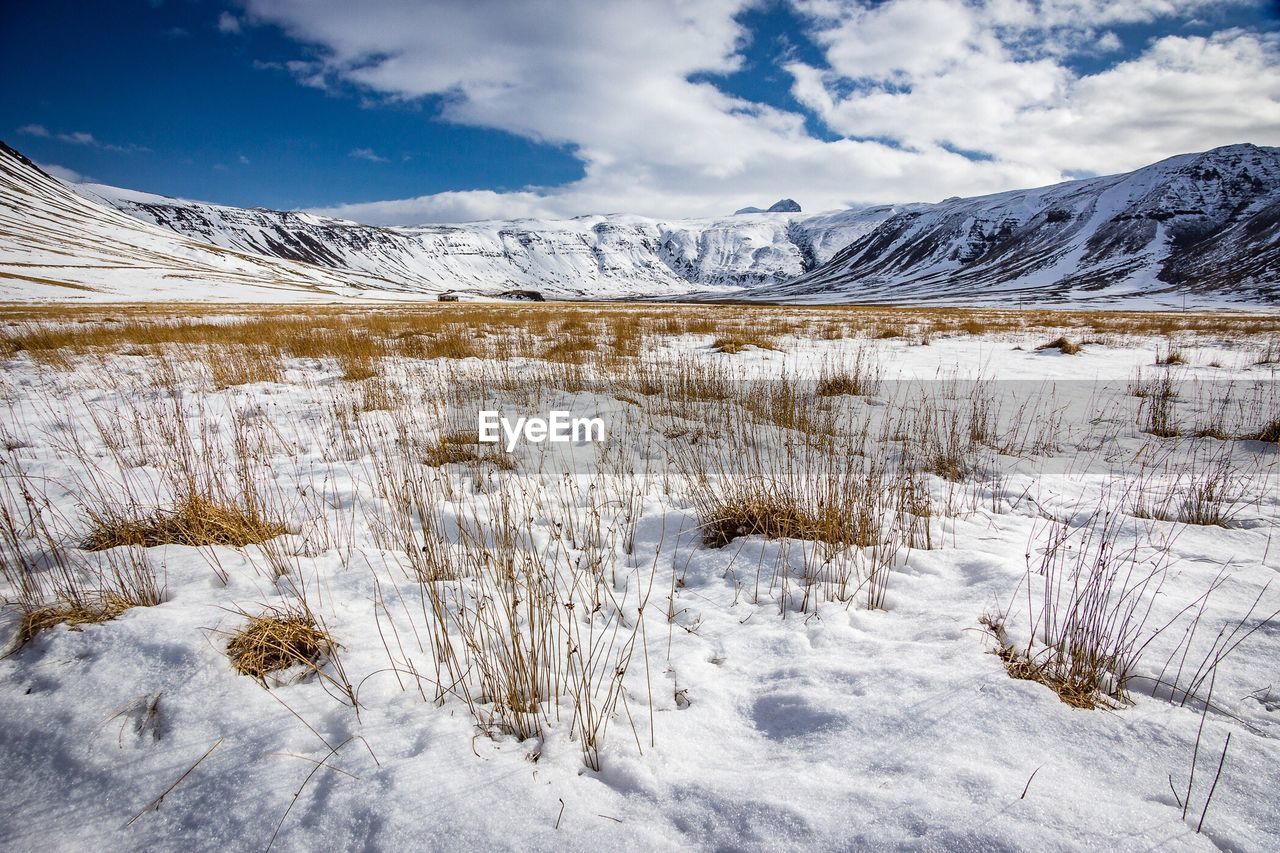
x,y
55,244
1204,227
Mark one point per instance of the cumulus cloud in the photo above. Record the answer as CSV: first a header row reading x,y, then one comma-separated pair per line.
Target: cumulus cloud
x,y
34,130
909,84
994,82
1108,42
228,24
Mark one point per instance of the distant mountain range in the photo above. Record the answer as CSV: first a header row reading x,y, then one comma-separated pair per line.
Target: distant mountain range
x,y
1198,229
606,257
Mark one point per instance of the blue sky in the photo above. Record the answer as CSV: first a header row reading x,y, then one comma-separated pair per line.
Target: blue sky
x,y
200,115
403,112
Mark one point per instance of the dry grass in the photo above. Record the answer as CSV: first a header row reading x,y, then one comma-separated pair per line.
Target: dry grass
x,y
1159,397
195,520
570,350
1270,432
356,367
626,338
359,338
763,509
277,640
1087,605
788,405
464,447
733,344
1171,354
250,365
1062,344
1270,353
1200,486
859,378
847,514
378,394
1076,691
888,331
1089,602
52,584
73,614
552,621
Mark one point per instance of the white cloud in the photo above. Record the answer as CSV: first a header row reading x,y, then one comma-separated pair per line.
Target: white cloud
x,y
228,23
837,174
908,81
999,87
366,154
77,137
889,41
62,173
447,207
1108,42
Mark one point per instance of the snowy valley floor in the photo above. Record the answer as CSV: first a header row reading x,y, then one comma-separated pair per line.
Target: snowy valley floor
x,y
778,606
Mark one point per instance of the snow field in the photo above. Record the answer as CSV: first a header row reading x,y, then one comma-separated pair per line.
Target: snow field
x,y
749,618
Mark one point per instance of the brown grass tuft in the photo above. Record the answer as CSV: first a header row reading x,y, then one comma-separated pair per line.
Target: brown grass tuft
x,y
1270,432
732,344
773,511
1171,355
888,331
72,614
194,521
1089,633
462,447
1074,690
275,640
1062,344
858,378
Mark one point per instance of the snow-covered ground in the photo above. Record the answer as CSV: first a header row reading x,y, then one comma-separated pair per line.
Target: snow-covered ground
x,y
746,696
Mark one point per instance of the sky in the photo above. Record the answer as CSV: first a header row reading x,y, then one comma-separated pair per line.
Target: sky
x,y
404,111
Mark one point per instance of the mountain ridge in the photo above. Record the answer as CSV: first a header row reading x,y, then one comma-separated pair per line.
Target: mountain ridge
x,y
605,256
1203,227
56,244
1192,225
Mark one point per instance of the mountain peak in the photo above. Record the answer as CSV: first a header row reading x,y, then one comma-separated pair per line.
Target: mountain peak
x,y
784,205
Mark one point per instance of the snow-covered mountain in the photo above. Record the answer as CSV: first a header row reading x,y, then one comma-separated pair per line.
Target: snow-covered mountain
x,y
783,205
55,244
1199,229
604,257
1204,226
